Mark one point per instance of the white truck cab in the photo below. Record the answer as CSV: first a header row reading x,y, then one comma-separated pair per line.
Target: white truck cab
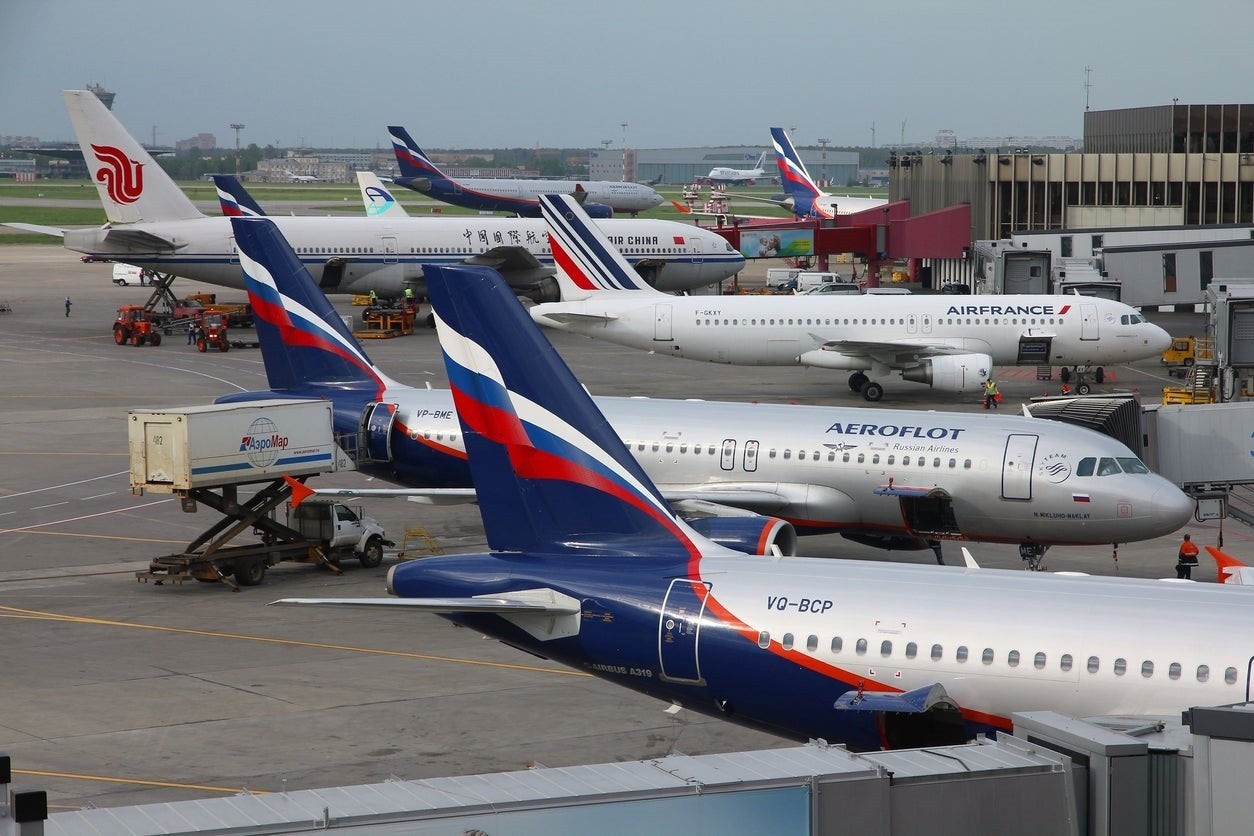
x,y
342,531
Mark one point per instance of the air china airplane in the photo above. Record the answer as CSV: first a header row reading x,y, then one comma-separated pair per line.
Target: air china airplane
x,y
722,175
152,224
589,568
602,198
936,340
750,475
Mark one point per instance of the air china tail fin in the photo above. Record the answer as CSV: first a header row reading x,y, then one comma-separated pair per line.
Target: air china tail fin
x,y
793,175
409,157
551,474
586,260
305,345
380,203
234,199
132,187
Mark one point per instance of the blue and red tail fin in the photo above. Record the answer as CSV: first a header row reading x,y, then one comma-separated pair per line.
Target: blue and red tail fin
x,y
305,345
551,474
412,161
586,260
793,175
235,200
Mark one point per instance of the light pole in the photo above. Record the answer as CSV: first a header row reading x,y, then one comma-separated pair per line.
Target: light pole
x,y
823,144
237,127
624,127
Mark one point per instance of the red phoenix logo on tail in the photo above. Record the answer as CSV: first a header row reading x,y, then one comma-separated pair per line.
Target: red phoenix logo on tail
x,y
123,177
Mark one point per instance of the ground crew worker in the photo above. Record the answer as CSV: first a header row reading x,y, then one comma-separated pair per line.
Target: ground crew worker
x,y
990,393
67,306
1186,559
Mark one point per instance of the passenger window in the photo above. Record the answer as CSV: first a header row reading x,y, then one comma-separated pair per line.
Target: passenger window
x,y
1203,673
937,652
861,458
936,462
892,459
764,640
987,656
966,464
787,641
860,647
1038,661
1174,670
875,459
1094,664
886,648
1064,663
1147,669
812,643
1086,466
905,460
912,650
1230,676
961,655
837,644
845,458
1121,667
1012,658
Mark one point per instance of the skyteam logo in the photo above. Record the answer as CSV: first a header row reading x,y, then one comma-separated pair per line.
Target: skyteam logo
x,y
380,201
262,443
123,178
1055,467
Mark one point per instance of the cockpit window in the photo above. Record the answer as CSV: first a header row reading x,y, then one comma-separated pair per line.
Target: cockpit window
x,y
1108,467
1133,465
1085,467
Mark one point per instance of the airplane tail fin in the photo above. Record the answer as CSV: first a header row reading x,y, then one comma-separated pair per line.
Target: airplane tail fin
x,y
681,208
793,175
380,203
305,345
234,199
586,260
550,473
132,187
412,161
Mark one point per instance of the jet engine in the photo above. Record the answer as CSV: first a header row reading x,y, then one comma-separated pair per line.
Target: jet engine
x,y
951,372
598,210
752,534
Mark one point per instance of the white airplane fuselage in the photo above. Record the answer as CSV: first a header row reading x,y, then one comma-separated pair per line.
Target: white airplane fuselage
x,y
779,331
619,196
388,255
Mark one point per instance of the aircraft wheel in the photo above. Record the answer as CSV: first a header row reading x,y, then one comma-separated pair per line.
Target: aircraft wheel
x,y
872,391
1082,389
372,555
856,381
120,336
155,339
1065,375
1100,375
250,572
202,346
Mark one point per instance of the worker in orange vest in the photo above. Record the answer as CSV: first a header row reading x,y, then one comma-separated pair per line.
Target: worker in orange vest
x,y
1186,559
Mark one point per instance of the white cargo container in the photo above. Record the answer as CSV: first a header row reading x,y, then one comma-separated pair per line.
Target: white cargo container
x,y
174,450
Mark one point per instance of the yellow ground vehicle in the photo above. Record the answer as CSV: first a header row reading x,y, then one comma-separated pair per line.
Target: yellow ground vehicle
x,y
1184,352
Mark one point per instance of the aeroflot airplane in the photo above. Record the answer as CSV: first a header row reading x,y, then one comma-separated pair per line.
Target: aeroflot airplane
x,y
602,198
590,568
934,339
748,474
154,225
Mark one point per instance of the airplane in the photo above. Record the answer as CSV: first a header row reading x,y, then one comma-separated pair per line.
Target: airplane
x,y
301,178
379,202
946,343
588,567
753,474
722,175
153,224
601,198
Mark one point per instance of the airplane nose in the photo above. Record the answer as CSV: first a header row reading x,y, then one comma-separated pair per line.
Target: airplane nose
x,y
1172,509
1158,339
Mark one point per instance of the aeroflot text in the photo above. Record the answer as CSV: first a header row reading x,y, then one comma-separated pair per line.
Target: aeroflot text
x,y
1006,310
895,431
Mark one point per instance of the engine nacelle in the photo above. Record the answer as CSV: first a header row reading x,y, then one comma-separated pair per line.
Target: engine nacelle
x,y
598,210
952,372
752,534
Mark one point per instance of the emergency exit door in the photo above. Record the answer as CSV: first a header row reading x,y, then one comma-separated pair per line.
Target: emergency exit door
x,y
679,629
1016,470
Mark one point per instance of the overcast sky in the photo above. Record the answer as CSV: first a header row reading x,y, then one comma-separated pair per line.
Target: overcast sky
x,y
561,73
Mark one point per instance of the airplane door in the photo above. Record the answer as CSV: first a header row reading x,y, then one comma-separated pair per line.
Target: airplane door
x,y
1249,676
376,423
728,460
1088,322
679,628
232,251
1016,471
751,456
662,322
389,249
926,320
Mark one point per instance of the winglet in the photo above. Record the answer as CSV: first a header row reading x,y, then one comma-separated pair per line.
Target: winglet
x,y
1228,566
300,491
683,210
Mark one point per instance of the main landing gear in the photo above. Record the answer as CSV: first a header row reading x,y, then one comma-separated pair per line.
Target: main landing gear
x,y
865,387
1079,373
1033,556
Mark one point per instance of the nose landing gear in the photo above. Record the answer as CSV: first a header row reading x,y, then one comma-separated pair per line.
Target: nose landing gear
x,y
1079,375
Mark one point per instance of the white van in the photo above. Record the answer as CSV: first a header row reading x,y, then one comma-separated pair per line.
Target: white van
x,y
777,277
129,274
809,281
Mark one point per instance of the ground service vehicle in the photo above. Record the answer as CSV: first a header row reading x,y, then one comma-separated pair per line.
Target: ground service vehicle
x,y
134,325
1184,352
343,532
212,333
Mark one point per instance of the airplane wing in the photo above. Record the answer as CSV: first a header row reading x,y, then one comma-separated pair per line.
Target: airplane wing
x,y
732,216
526,601
575,316
42,230
425,496
893,352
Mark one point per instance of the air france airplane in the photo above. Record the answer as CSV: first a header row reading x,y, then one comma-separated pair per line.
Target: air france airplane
x,y
935,340
153,224
753,475
602,198
589,568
